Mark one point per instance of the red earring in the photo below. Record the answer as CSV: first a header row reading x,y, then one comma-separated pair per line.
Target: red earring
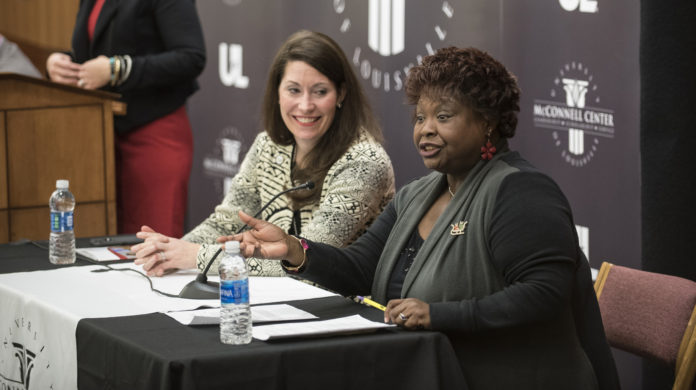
x,y
488,150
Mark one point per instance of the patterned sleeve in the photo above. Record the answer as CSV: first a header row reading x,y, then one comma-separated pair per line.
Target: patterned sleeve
x,y
242,195
356,189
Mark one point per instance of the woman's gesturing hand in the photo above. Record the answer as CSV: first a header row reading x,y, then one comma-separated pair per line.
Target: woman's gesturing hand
x,y
265,240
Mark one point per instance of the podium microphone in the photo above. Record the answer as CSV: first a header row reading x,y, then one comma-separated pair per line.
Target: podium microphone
x,y
200,288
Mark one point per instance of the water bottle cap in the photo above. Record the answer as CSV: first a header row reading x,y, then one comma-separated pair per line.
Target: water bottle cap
x,y
62,184
232,247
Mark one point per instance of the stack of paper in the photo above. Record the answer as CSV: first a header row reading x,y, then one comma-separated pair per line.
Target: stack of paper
x,y
259,314
107,253
351,324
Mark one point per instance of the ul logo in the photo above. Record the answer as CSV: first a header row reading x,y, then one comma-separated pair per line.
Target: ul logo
x,y
386,26
589,6
230,66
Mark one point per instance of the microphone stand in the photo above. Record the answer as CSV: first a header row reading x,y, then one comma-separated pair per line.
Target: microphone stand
x,y
201,288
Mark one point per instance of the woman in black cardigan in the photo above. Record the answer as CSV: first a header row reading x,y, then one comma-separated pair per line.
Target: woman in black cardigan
x,y
483,249
150,52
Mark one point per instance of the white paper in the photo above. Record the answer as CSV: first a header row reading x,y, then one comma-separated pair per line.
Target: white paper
x,y
261,289
282,289
259,314
350,324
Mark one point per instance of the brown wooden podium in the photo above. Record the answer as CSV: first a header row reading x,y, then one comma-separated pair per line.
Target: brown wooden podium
x,y
51,131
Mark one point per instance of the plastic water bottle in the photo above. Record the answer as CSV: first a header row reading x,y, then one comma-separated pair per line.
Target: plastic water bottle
x,y
61,247
235,314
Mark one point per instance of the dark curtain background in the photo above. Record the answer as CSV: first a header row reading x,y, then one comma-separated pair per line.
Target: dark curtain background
x,y
667,144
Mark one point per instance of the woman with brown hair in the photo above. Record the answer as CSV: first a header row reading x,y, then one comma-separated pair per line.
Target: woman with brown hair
x,y
318,127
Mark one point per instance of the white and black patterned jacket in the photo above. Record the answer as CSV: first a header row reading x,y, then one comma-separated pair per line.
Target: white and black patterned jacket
x,y
355,190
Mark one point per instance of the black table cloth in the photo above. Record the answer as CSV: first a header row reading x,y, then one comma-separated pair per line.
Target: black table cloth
x,y
154,351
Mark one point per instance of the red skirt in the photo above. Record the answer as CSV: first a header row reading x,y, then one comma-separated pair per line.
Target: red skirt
x,y
153,164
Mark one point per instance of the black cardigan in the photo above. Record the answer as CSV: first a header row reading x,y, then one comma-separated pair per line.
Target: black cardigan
x,y
513,293
165,41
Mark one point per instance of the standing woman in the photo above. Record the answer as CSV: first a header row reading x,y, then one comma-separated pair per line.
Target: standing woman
x,y
318,127
150,52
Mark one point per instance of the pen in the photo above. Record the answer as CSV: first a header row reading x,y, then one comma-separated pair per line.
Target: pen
x,y
370,302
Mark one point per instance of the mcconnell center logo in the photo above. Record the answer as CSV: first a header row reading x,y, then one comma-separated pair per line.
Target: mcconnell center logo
x,y
578,125
223,163
386,37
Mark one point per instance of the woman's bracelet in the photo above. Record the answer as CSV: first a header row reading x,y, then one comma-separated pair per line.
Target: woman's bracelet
x,y
112,65
286,264
116,70
120,69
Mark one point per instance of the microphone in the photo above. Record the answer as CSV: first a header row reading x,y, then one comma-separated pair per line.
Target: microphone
x,y
200,288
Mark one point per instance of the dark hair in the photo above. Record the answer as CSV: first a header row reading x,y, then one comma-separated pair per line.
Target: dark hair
x,y
323,54
473,77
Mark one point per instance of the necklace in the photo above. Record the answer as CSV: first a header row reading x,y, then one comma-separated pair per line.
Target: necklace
x,y
450,191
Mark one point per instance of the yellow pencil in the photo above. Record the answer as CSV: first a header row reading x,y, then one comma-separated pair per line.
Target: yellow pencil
x,y
370,302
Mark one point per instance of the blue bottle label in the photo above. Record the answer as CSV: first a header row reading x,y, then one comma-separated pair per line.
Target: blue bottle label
x,y
61,221
234,291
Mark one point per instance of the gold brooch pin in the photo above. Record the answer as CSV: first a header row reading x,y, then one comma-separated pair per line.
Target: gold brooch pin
x,y
458,228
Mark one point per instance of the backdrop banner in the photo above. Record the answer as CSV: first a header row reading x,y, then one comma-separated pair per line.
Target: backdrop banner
x,y
576,62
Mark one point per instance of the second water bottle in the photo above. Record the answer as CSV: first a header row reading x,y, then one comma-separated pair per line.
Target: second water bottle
x,y
235,314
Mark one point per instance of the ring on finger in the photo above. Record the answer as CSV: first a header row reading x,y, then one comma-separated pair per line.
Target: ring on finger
x,y
402,317
80,83
161,256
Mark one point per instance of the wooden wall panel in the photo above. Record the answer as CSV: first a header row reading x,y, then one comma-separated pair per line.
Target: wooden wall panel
x,y
90,220
112,227
3,164
110,158
45,23
33,223
4,226
50,144
48,132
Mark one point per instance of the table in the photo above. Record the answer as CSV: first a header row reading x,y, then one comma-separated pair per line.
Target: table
x,y
153,351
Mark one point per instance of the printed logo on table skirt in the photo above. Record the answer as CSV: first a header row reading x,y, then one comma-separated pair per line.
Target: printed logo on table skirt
x,y
386,37
573,113
23,356
224,161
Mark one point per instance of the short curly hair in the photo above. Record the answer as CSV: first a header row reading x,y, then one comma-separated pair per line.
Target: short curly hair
x,y
473,77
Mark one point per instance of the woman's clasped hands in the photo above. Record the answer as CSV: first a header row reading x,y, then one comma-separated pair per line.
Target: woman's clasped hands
x,y
92,74
160,254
